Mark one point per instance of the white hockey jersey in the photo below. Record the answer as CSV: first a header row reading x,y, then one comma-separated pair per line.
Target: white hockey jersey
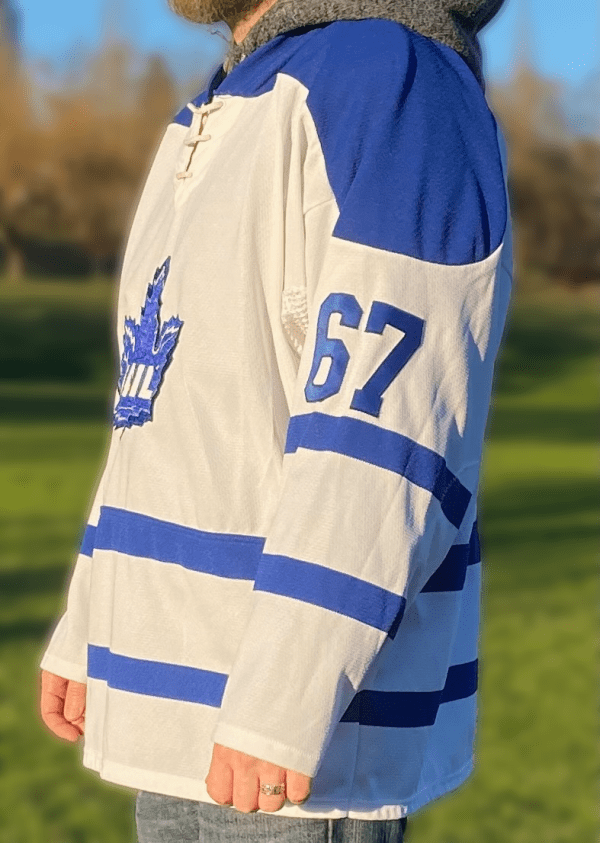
x,y
282,555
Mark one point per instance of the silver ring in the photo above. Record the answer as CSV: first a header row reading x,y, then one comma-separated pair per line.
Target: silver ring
x,y
271,789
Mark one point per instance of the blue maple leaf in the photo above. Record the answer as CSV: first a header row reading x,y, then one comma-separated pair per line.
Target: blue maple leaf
x,y
147,351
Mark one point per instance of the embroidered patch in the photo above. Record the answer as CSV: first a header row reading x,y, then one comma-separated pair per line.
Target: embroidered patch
x,y
147,351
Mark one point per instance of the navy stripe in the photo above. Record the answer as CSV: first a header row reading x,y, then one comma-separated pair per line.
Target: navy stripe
x,y
223,554
474,546
334,590
88,541
158,679
384,448
451,574
410,709
461,682
397,621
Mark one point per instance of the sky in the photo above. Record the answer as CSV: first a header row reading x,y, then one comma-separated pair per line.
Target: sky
x,y
563,35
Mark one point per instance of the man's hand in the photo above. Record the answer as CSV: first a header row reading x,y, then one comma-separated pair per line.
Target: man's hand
x,y
62,706
234,779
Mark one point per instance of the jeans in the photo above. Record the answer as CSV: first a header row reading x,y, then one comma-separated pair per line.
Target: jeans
x,y
169,819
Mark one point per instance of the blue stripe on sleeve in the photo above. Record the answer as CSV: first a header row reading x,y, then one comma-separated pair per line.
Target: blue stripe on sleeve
x,y
87,543
408,709
334,590
222,554
384,448
158,679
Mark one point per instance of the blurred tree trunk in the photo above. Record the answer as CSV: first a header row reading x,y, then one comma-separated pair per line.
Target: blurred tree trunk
x,y
14,258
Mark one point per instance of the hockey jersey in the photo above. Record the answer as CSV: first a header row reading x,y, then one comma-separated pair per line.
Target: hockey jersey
x,y
282,554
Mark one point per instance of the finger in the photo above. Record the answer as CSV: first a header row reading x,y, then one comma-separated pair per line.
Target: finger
x,y
275,801
298,786
75,701
219,782
245,791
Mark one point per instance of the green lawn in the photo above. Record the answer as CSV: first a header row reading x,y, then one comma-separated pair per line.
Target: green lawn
x,y
535,780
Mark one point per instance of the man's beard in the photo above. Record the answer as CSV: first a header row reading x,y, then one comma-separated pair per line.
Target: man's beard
x,y
212,11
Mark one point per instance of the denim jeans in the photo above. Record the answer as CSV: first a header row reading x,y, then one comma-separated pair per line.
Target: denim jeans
x,y
169,819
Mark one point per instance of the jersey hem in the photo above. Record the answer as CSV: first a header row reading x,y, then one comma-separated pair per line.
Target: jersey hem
x,y
65,669
187,788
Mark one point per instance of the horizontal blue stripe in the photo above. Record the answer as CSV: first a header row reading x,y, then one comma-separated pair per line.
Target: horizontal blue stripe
x,y
451,574
334,590
179,682
158,679
461,682
385,449
88,541
410,709
223,554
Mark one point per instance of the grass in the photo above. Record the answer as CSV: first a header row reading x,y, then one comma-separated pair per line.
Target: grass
x,y
536,752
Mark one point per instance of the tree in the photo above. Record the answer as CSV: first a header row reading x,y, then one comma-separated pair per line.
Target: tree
x,y
554,182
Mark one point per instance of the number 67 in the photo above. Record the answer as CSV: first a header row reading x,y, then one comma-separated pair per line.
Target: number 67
x,y
368,398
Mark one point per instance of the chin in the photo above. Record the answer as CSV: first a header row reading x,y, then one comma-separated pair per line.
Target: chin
x,y
212,11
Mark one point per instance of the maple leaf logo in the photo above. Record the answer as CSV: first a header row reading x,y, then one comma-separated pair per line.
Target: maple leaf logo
x,y
147,350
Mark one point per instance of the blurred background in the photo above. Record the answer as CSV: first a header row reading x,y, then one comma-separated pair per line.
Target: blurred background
x,y
86,90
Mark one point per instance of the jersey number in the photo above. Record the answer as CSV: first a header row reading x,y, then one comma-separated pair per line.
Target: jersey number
x,y
368,398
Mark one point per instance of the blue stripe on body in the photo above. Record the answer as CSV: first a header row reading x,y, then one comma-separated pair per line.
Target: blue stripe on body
x,y
222,554
384,448
158,679
237,556
334,590
405,709
409,709
450,576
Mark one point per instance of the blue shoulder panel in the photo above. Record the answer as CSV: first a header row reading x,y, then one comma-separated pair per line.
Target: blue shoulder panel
x,y
183,117
409,142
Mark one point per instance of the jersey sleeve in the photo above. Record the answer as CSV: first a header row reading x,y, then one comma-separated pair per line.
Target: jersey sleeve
x,y
65,650
408,285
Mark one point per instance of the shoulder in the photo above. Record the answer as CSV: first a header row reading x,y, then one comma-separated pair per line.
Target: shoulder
x,y
376,55
409,143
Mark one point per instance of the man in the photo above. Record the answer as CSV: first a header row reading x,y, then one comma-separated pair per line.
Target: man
x,y
275,606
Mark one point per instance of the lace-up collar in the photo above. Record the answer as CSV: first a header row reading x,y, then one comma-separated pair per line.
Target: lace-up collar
x,y
204,111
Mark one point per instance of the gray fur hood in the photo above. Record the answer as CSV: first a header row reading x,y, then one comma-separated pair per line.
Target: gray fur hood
x,y
453,22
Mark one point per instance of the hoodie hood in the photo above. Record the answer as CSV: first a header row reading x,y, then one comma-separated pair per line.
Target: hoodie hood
x,y
453,22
